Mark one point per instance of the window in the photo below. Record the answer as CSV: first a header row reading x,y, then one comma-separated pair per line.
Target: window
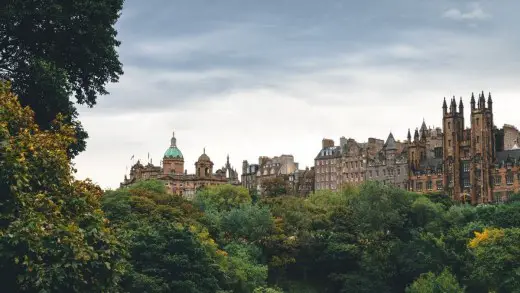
x,y
478,120
449,125
439,184
377,172
497,180
478,139
509,178
465,166
449,143
419,186
398,171
429,185
384,172
370,174
466,183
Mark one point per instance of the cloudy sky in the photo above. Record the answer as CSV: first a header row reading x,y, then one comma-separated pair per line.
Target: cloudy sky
x,y
250,78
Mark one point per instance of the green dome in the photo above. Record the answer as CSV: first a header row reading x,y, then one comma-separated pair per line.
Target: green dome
x,y
173,152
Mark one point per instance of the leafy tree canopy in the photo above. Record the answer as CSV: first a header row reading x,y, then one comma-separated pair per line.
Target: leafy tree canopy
x,y
53,234
52,49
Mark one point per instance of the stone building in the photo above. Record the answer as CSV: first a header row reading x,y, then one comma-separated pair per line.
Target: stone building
x,y
280,166
511,137
326,166
472,165
389,165
176,178
301,182
249,173
352,163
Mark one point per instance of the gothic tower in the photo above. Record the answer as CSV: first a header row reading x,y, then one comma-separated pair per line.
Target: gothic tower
x,y
173,161
453,129
483,151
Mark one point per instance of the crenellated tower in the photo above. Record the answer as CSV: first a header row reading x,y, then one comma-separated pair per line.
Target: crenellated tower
x,y
483,152
453,129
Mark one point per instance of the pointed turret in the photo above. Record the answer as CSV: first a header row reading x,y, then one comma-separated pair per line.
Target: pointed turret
x,y
472,101
416,135
445,106
490,102
482,101
390,142
409,136
461,107
453,106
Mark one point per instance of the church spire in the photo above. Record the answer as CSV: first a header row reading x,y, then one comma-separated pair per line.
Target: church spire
x,y
472,101
445,106
409,136
461,107
490,102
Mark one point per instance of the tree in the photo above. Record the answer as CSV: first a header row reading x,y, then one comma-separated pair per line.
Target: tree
x,y
51,49
222,197
53,234
274,186
445,282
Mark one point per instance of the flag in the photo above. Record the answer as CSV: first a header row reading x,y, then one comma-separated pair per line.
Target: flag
x,y
132,157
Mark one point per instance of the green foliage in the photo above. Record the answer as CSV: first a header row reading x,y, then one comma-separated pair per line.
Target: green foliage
x,y
222,197
51,49
445,282
275,186
53,234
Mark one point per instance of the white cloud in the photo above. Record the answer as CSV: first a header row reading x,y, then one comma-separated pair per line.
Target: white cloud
x,y
475,13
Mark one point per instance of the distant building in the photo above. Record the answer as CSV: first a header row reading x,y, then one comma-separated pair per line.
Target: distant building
x,y
326,166
254,174
390,165
301,182
479,164
176,178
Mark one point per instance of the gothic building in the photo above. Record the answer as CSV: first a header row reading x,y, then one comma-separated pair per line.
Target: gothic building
x,y
472,165
176,178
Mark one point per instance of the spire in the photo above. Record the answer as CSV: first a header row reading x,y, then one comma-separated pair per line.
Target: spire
x,y
482,101
453,105
423,126
390,142
490,102
173,142
445,106
204,150
472,101
461,107
410,135
416,135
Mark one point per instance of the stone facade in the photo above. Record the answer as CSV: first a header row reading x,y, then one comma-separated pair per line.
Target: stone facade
x,y
301,182
472,165
352,167
176,178
390,165
252,175
511,137
326,166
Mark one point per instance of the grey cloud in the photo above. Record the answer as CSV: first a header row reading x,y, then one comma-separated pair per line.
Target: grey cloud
x,y
475,12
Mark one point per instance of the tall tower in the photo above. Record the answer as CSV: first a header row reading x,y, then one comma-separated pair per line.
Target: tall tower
x,y
453,130
173,161
483,151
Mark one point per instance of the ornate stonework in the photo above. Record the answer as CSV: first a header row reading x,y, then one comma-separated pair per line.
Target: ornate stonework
x,y
176,178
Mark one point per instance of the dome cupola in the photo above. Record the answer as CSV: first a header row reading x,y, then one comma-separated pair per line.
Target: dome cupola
x,y
173,152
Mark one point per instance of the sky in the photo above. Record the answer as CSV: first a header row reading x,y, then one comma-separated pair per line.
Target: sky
x,y
265,78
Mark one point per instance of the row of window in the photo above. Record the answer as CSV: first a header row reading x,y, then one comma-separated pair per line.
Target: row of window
x,y
429,185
